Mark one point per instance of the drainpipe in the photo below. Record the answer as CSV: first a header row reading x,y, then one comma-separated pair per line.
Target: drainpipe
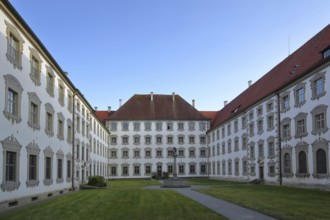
x,y
73,136
279,136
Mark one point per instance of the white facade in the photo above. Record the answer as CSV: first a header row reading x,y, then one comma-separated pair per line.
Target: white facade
x,y
140,148
293,123
37,122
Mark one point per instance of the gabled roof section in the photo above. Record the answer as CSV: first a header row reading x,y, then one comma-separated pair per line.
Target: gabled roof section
x,y
298,64
103,115
157,107
209,114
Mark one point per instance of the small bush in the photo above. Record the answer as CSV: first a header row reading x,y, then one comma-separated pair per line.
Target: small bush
x,y
96,181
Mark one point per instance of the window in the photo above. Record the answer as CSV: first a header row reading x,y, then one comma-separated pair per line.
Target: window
x,y
68,168
319,119
113,140
61,93
299,92
48,152
169,126
14,46
223,132
202,140
136,140
270,122
113,153
181,169
244,141
191,126
11,152
287,163
113,126
260,149
147,126
70,101
236,126
202,126
147,153
33,155
270,106
252,153
251,115
170,169
243,122
12,109
148,169
286,129
159,153
180,126
50,81
300,121
136,170
230,167
159,139
251,129
191,139
113,171
124,126
34,109
125,170
202,153
35,63
181,139
320,158
60,126
191,152
259,111
302,158
260,126
236,166
169,139
181,153
125,153
203,168
285,102
245,166
318,85
236,147
125,140
136,126
136,153
147,139
49,120
218,135
229,146
159,126
192,169
223,167
69,131
59,169
228,129
271,147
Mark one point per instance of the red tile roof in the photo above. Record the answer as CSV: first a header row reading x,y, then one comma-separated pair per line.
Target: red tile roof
x,y
298,64
209,114
103,115
140,107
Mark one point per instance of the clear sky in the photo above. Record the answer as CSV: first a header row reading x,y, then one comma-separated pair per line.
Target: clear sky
x,y
205,50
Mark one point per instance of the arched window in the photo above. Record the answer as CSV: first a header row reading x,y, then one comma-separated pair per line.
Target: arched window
x,y
302,162
321,162
287,163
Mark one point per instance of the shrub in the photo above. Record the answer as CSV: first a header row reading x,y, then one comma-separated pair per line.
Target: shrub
x,y
96,181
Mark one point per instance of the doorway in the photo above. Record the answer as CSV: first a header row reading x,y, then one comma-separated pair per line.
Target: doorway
x,y
261,172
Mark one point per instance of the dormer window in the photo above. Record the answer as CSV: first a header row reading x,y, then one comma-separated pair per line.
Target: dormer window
x,y
326,52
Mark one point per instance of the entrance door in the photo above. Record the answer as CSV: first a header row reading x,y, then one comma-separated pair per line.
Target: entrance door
x,y
261,172
159,170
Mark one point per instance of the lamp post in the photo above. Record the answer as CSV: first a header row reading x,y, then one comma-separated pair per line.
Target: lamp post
x,y
175,155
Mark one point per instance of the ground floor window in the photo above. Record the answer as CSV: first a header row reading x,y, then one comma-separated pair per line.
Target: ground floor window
x,y
170,169
321,162
192,169
181,169
113,171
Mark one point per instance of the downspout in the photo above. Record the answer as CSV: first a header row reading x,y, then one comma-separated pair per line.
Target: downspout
x,y
73,136
279,137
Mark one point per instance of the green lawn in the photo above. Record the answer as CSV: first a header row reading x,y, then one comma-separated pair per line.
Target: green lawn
x,y
117,203
132,183
281,202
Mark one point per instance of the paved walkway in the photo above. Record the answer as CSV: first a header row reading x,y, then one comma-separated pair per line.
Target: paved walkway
x,y
226,209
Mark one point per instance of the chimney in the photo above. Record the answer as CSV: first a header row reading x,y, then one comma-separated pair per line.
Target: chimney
x,y
152,96
95,108
250,82
109,108
120,102
173,96
225,103
193,103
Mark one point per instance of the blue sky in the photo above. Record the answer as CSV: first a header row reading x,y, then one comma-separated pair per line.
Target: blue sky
x,y
205,50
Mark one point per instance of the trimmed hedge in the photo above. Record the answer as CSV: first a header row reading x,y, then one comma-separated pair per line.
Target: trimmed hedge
x,y
96,181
